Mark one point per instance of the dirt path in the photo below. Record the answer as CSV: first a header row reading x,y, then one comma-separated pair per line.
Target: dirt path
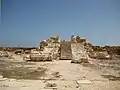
x,y
66,76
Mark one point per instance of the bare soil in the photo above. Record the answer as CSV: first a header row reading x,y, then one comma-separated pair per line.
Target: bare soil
x,y
57,75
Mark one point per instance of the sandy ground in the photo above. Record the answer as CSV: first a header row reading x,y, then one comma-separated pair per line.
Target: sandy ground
x,y
64,74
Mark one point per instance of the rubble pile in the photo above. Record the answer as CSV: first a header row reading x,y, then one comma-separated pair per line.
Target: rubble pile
x,y
4,54
105,52
40,57
18,52
100,55
114,51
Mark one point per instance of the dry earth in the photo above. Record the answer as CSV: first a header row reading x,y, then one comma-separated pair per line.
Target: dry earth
x,y
58,75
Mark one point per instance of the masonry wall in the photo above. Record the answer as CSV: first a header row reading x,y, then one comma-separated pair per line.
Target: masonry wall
x,y
78,51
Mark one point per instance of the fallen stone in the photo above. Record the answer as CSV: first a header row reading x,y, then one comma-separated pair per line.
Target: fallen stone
x,y
3,79
12,79
26,57
4,54
18,52
81,60
38,57
51,84
83,82
56,74
1,76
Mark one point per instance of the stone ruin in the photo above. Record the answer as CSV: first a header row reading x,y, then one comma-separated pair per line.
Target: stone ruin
x,y
80,49
76,49
49,50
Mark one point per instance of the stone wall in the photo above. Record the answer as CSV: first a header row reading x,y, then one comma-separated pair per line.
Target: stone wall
x,y
79,53
80,49
52,49
49,50
111,51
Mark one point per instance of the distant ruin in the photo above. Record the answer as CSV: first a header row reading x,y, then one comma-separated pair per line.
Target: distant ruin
x,y
54,48
77,50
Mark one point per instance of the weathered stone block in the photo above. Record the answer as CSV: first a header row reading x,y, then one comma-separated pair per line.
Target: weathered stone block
x,y
38,57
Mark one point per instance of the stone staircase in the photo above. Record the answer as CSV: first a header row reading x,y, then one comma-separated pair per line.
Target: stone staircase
x,y
65,51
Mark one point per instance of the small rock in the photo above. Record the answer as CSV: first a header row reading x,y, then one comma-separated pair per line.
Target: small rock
x,y
83,82
4,78
1,76
4,85
77,86
12,79
51,85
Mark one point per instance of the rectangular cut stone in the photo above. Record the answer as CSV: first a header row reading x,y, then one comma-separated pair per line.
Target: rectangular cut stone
x,y
83,82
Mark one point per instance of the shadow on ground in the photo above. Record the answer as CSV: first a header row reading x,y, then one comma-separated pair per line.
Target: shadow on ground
x,y
111,77
8,70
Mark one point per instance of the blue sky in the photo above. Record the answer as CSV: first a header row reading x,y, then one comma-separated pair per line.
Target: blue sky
x,y
26,22
0,15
